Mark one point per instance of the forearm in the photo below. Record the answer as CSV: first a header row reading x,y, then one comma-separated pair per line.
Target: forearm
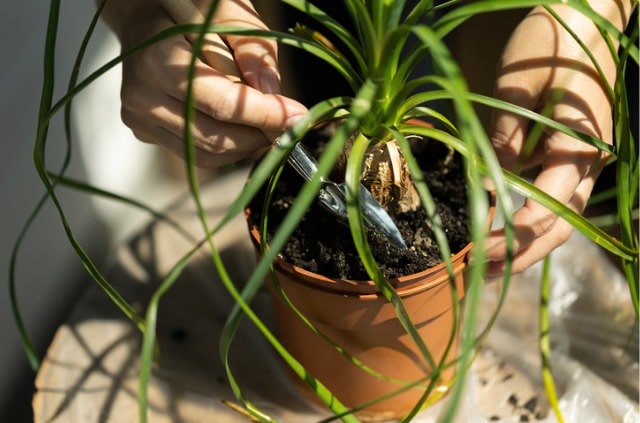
x,y
618,12
564,47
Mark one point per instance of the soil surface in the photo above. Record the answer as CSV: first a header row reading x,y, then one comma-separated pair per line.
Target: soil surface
x,y
323,244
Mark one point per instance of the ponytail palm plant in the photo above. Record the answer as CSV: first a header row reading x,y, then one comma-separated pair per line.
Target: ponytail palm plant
x,y
378,52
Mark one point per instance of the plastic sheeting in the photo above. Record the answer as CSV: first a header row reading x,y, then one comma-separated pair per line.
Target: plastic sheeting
x,y
594,336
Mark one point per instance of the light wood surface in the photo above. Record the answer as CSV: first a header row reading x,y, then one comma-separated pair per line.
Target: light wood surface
x,y
90,373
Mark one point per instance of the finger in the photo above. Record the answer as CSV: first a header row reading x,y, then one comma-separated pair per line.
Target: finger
x,y
507,137
214,94
534,252
226,101
158,109
560,176
204,157
256,57
213,49
530,247
565,160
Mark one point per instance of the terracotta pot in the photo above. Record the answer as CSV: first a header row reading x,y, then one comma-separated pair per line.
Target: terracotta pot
x,y
355,316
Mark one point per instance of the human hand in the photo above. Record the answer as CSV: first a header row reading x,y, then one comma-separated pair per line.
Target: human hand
x,y
543,66
232,114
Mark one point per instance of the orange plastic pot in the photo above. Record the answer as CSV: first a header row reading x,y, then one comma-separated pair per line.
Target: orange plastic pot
x,y
354,315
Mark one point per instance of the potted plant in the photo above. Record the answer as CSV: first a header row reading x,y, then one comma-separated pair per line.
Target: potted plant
x,y
355,344
377,57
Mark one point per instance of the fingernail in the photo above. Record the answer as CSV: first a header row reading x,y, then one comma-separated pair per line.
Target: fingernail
x,y
269,80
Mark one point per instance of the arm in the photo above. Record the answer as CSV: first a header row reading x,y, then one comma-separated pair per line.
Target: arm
x,y
542,61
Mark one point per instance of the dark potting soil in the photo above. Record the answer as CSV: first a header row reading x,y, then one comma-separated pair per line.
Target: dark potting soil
x,y
322,244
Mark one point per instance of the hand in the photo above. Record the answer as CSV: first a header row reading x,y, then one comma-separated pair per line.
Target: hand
x,y
232,117
543,66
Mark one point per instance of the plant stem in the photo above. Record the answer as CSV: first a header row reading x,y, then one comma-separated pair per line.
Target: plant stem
x,y
545,344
